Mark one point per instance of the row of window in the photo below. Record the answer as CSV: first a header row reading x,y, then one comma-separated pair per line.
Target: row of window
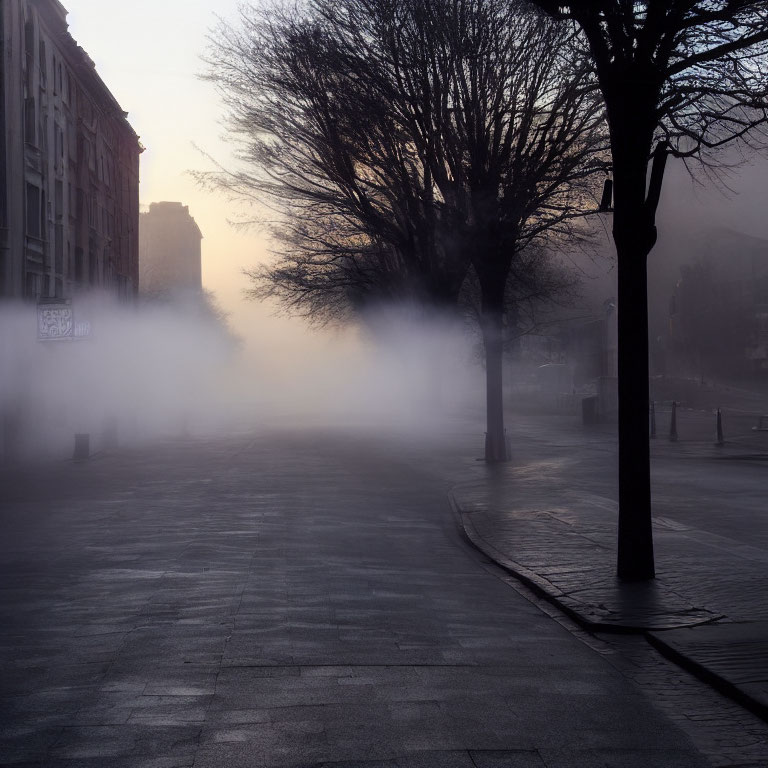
x,y
99,217
47,75
62,78
101,165
40,280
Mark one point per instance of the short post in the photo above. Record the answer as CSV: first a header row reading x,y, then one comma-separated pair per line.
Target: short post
x,y
720,438
653,419
82,450
673,424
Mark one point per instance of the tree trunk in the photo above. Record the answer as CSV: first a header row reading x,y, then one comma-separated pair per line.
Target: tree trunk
x,y
635,235
635,559
493,327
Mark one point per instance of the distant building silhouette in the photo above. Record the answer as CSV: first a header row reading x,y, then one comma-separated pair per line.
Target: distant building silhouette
x,y
718,309
69,164
169,250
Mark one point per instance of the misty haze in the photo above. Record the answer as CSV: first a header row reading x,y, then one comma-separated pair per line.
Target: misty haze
x,y
386,387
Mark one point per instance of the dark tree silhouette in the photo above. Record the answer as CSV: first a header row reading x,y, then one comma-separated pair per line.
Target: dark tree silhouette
x,y
505,116
685,76
411,139
319,140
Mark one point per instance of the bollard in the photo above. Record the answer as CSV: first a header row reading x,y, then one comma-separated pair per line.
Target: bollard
x,y
82,446
673,424
720,439
653,419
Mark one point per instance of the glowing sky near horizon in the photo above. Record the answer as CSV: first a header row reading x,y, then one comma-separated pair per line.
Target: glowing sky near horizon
x,y
148,53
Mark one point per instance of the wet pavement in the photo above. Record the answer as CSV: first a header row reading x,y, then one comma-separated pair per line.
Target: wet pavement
x,y
306,599
550,518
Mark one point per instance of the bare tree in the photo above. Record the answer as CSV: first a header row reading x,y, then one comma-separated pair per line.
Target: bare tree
x,y
412,138
324,146
685,76
506,120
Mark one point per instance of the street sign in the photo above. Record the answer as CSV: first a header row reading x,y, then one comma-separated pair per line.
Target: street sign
x,y
56,322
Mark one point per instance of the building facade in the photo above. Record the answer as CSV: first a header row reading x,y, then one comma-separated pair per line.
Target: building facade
x,y
169,250
718,310
69,161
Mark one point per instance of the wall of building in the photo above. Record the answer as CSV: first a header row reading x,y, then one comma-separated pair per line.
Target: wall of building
x,y
169,250
70,161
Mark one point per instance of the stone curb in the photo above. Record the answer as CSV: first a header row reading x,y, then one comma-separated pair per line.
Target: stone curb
x,y
545,589
533,581
756,704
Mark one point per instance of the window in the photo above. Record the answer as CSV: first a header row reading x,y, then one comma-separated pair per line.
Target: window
x,y
59,249
93,268
59,199
30,121
34,211
71,135
29,43
32,285
43,64
91,155
59,146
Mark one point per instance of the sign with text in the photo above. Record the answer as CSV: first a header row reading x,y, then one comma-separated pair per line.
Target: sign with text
x,y
55,322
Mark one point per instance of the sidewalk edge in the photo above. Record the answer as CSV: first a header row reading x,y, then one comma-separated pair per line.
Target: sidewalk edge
x,y
533,581
706,675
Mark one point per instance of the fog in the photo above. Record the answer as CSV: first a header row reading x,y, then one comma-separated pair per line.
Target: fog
x,y
151,372
157,371
693,208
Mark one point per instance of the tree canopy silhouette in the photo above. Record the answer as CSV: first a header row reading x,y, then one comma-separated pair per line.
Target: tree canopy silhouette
x,y
412,140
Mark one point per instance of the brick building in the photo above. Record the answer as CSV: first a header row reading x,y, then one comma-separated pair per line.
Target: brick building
x,y
69,162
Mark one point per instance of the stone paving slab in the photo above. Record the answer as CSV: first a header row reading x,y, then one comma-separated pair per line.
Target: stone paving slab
x,y
551,520
287,601
567,562
733,657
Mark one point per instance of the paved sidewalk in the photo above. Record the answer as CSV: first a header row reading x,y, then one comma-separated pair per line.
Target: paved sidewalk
x,y
550,519
297,599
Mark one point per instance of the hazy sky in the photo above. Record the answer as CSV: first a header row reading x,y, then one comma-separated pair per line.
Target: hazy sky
x,y
148,53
